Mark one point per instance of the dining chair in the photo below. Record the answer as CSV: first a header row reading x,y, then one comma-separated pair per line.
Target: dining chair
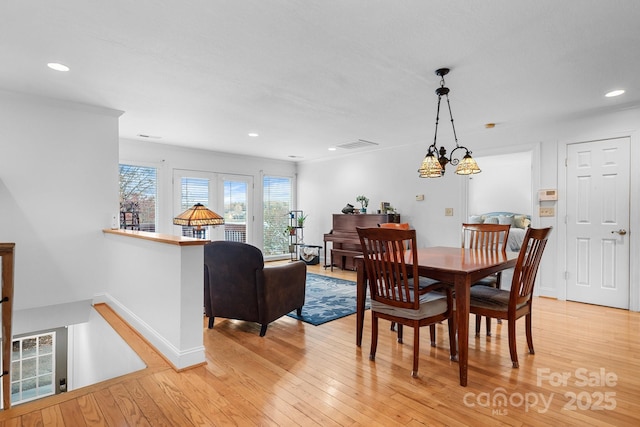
x,y
513,304
424,281
394,288
492,237
395,226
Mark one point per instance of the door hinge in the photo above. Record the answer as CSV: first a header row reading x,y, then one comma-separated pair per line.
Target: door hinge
x,y
566,275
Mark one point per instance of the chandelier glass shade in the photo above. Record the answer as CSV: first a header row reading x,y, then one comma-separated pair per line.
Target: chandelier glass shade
x,y
435,161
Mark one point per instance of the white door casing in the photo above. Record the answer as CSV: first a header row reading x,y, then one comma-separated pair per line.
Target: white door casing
x,y
598,222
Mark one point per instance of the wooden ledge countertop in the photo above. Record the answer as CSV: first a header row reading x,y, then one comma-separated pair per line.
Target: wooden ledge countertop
x,y
159,237
6,247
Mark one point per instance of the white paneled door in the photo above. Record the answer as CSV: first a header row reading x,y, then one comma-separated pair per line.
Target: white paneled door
x,y
598,222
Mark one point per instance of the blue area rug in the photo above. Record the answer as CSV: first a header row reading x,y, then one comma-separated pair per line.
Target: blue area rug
x,y
327,299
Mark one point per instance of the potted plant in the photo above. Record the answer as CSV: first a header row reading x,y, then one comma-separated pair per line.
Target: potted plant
x,y
364,202
290,230
301,220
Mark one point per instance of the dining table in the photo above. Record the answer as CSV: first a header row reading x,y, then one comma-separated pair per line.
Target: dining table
x,y
460,267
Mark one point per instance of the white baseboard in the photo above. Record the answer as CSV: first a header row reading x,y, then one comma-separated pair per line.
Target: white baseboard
x,y
180,359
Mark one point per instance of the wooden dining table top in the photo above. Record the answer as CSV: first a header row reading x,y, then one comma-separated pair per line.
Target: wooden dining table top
x,y
461,260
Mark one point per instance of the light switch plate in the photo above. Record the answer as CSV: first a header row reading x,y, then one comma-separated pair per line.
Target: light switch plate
x,y
547,211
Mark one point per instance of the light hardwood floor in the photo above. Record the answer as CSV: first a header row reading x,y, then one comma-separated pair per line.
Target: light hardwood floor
x,y
585,372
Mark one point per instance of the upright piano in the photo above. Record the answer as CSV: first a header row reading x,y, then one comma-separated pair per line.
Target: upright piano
x,y
344,237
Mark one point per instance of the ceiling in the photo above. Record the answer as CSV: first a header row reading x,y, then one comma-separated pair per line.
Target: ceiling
x,y
308,75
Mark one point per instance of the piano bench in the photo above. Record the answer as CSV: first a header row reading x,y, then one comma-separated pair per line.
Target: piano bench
x,y
342,253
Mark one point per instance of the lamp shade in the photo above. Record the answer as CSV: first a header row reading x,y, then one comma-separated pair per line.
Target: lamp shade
x,y
198,215
430,167
467,166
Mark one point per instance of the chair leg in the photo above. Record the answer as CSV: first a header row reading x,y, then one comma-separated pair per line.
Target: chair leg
x,y
478,320
400,333
527,320
453,345
512,342
432,334
263,330
416,350
211,322
374,337
488,325
393,326
299,312
498,285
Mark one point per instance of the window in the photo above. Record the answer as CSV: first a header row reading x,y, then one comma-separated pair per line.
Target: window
x,y
235,209
192,191
138,194
278,201
32,367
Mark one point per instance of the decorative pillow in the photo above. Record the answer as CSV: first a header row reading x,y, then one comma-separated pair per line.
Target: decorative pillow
x,y
505,219
519,221
475,219
491,220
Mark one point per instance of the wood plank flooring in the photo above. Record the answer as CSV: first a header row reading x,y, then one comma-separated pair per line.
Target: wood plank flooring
x,y
585,372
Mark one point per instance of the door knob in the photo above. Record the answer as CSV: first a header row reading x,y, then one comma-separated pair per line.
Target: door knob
x,y
621,232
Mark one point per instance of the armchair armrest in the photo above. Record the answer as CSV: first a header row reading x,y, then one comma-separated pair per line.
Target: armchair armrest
x,y
284,289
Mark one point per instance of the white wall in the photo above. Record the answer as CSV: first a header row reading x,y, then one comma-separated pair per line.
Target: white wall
x,y
97,353
504,185
58,190
391,175
157,288
383,175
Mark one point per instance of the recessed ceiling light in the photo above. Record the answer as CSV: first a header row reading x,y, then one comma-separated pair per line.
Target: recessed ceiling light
x,y
613,93
489,125
253,135
57,66
332,148
144,135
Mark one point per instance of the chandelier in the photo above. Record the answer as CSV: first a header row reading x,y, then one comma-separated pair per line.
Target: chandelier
x,y
436,159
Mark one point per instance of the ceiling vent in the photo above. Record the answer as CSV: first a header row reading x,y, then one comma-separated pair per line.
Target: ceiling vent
x,y
361,143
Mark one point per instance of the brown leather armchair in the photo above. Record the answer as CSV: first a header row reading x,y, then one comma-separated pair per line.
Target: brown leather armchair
x,y
238,286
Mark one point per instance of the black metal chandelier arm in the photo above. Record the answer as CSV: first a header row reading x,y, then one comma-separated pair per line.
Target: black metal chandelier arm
x,y
455,160
455,137
435,136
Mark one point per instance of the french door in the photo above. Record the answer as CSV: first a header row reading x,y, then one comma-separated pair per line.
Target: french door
x,y
237,191
228,195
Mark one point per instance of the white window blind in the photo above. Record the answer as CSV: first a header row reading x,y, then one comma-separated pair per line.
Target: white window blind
x,y
278,201
193,190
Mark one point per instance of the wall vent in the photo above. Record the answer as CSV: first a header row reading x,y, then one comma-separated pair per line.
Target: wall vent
x,y
360,143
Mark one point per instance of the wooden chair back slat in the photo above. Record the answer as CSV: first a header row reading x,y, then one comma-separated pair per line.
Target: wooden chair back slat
x,y
485,236
526,270
391,281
